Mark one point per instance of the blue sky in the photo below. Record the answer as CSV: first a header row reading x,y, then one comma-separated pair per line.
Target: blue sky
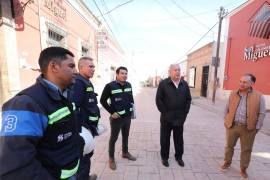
x,y
155,33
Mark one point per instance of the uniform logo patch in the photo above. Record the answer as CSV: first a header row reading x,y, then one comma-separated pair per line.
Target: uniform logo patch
x,y
118,99
91,100
62,137
10,123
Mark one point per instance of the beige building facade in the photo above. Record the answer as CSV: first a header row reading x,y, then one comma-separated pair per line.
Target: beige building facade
x,y
199,71
28,26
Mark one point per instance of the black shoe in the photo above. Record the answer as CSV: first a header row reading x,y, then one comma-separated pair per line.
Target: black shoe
x,y
129,156
180,162
165,162
93,177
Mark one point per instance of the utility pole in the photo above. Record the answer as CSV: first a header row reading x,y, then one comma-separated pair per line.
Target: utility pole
x,y
222,14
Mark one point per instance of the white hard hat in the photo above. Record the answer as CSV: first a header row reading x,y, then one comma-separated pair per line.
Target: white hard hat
x,y
101,128
88,140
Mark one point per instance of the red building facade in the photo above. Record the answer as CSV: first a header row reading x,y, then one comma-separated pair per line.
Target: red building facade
x,y
248,45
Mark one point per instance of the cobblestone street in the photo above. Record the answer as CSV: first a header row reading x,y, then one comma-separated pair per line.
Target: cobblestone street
x,y
204,137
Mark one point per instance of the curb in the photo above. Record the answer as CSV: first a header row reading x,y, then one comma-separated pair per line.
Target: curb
x,y
208,107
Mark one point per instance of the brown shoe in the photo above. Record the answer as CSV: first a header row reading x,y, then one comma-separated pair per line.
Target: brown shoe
x,y
128,156
243,173
112,164
226,165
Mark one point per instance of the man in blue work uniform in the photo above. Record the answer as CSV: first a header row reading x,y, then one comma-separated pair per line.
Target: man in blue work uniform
x,y
119,93
39,137
88,112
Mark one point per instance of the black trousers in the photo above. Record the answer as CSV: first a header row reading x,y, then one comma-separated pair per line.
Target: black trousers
x,y
122,124
84,167
165,135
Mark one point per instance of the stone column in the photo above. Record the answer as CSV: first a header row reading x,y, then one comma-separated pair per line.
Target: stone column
x,y
9,64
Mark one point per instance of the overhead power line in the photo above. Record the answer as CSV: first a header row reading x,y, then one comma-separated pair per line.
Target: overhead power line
x,y
233,3
190,15
183,17
179,22
114,25
199,41
109,15
225,15
104,19
211,11
118,6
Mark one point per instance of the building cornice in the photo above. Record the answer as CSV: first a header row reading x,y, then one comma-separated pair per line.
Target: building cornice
x,y
85,12
199,49
239,8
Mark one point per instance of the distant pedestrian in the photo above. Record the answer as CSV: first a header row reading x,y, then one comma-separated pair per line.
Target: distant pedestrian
x,y
85,100
173,100
119,93
244,115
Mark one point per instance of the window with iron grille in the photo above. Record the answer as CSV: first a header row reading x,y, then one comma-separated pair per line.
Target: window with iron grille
x,y
55,39
85,51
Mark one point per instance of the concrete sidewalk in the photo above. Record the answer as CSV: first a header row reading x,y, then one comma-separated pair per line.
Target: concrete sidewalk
x,y
204,148
219,108
207,104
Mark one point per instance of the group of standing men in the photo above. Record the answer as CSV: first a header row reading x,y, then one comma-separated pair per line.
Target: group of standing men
x,y
42,135
244,116
46,128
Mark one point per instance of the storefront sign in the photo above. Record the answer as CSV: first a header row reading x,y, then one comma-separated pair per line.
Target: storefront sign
x,y
102,38
257,52
56,7
192,77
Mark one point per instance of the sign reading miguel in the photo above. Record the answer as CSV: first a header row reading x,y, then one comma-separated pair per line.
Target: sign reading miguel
x,y
259,28
56,7
257,52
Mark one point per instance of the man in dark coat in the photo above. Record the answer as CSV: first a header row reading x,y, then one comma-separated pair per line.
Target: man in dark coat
x,y
85,100
173,101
